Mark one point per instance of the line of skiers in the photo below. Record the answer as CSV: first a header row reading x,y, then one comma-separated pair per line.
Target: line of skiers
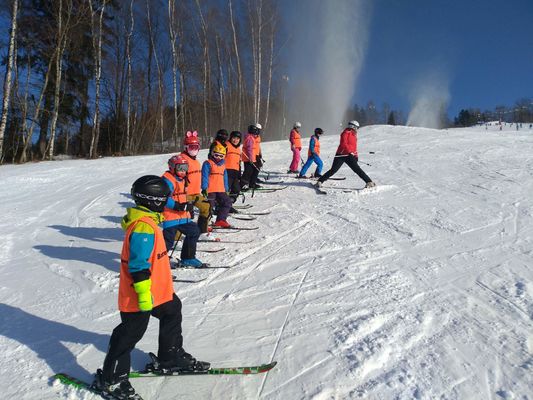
x,y
346,153
146,285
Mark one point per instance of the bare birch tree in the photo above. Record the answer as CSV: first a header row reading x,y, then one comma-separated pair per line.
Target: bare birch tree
x,y
9,71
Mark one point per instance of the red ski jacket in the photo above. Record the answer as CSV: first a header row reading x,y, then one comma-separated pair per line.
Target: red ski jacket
x,y
348,144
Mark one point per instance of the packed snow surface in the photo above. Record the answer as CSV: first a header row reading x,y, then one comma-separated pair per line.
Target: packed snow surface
x,y
419,289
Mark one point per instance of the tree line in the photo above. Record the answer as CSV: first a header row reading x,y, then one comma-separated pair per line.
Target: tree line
x,y
90,78
521,111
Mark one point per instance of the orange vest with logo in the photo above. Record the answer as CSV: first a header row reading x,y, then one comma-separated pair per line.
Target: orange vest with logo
x,y
162,287
194,175
216,178
179,195
233,157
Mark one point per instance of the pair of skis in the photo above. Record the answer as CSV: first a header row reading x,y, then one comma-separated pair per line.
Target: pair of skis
x,y
76,383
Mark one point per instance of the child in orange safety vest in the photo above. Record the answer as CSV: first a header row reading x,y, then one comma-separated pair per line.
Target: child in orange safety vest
x,y
233,164
215,184
178,212
145,289
251,157
194,178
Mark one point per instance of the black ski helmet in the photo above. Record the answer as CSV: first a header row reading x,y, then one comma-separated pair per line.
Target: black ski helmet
x,y
235,134
150,191
222,136
255,129
319,131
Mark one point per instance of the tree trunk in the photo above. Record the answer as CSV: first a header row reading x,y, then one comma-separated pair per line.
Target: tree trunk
x,y
128,79
97,47
172,33
239,72
7,80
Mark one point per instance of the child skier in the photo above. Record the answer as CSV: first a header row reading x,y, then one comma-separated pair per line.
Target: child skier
x,y
145,289
347,153
233,164
178,212
221,138
215,184
194,178
296,146
251,157
313,155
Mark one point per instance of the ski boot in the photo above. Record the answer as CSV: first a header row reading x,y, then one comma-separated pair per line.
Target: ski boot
x,y
370,185
190,262
318,184
181,362
222,224
121,389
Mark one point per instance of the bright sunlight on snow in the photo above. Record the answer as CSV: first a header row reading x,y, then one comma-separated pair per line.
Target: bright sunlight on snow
x,y
421,288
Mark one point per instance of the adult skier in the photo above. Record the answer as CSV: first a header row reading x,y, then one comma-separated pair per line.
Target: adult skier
x,y
347,153
313,155
251,157
178,212
215,184
194,178
145,289
296,146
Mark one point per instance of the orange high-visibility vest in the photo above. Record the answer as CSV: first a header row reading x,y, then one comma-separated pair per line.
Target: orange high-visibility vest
x,y
257,146
179,195
233,157
216,178
316,149
162,287
296,139
194,175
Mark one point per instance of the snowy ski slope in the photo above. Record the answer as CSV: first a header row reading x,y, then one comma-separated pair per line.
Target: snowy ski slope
x,y
422,289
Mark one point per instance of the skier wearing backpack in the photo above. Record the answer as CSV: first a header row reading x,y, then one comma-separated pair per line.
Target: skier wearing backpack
x,y
194,178
313,155
215,184
178,212
145,289
347,153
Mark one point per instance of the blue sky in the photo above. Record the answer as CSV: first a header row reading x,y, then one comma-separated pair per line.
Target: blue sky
x,y
482,50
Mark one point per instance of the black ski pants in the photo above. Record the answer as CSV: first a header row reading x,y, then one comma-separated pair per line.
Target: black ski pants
x,y
125,336
350,161
191,230
234,183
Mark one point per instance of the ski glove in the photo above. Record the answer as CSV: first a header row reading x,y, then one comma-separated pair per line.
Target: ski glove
x,y
142,289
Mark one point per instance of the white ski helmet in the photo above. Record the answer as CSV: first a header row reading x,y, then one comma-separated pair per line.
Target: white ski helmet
x,y
297,125
353,124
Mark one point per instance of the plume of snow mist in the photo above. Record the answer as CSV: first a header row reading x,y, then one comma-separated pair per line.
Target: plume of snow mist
x,y
430,99
326,53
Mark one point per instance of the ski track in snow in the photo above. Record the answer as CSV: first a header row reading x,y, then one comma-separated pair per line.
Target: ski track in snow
x,y
419,289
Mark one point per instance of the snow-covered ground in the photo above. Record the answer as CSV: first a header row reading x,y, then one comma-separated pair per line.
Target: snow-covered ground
x,y
420,289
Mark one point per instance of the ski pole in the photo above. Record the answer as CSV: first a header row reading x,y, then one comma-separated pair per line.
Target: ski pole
x,y
174,247
362,162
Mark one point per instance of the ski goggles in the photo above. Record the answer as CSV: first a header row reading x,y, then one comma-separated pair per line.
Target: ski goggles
x,y
150,197
218,156
181,167
193,146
